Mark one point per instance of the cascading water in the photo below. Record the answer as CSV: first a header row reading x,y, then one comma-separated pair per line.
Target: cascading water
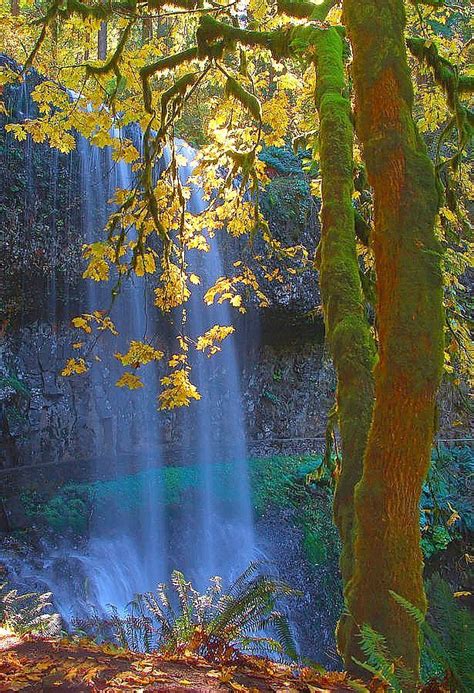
x,y
135,543
137,533
211,534
126,554
215,430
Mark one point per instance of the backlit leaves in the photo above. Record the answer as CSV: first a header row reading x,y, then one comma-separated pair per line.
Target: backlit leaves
x,y
211,339
178,390
100,256
98,319
172,291
139,354
145,264
237,89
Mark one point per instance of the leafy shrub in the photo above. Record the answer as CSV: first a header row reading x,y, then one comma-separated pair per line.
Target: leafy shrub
x,y
68,510
282,159
286,203
286,481
446,507
435,540
314,546
216,625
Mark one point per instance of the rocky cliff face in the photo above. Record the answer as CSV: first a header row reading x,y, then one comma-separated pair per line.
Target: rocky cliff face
x,y
50,420
46,418
287,381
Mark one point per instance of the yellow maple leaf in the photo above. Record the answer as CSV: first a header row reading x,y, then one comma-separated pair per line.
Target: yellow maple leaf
x,y
82,323
210,340
145,264
138,354
129,380
18,131
74,366
179,390
173,291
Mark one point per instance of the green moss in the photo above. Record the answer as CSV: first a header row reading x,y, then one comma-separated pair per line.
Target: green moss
x,y
314,546
68,510
281,482
283,160
286,204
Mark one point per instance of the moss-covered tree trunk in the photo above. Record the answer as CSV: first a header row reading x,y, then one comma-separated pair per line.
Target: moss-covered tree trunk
x,y
410,324
347,329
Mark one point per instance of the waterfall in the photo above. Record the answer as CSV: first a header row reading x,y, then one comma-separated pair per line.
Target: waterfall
x,y
127,553
211,531
137,532
214,427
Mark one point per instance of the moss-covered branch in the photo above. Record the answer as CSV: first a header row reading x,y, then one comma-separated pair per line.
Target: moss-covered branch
x,y
445,73
112,64
302,9
453,84
211,30
168,63
46,21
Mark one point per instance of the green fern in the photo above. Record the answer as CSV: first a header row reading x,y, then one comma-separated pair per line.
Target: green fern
x,y
381,663
449,636
214,624
449,647
28,613
413,611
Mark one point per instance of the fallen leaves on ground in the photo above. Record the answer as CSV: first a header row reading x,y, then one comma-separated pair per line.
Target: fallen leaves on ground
x,y
40,664
36,664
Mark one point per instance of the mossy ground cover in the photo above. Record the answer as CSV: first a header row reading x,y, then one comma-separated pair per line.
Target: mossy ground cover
x,y
278,482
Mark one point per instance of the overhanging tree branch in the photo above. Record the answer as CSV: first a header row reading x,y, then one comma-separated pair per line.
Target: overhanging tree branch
x,y
452,83
306,10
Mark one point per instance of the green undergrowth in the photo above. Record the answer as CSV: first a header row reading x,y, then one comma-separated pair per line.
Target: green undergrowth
x,y
284,482
279,483
447,513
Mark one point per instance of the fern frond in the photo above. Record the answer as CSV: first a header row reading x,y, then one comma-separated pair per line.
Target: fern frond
x,y
27,613
379,662
413,611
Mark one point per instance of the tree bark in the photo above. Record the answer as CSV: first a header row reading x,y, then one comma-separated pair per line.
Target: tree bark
x,y
347,329
147,29
102,42
15,7
410,325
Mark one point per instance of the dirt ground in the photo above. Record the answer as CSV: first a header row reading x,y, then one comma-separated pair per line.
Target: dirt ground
x,y
39,664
